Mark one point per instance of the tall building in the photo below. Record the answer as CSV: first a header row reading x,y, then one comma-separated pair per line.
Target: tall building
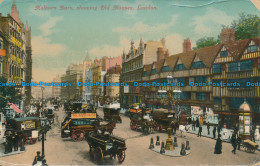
x,y
132,68
88,89
111,93
15,61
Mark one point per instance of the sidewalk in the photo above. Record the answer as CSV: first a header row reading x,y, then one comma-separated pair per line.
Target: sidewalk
x,y
225,137
2,149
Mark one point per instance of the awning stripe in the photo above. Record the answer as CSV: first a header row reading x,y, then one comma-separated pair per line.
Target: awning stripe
x,y
15,108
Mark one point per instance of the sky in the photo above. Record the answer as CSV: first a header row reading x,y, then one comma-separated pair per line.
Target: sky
x,y
62,37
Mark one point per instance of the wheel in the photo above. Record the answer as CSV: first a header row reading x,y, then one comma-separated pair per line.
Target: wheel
x,y
78,135
121,156
91,153
98,154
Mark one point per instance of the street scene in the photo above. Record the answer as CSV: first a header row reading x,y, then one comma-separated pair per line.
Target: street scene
x,y
129,82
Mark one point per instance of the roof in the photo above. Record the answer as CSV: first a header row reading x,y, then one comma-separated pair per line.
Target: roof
x,y
257,40
208,54
148,68
172,60
237,48
187,58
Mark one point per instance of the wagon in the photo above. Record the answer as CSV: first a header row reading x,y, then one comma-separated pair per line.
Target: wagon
x,y
140,119
49,114
249,146
163,119
101,145
111,112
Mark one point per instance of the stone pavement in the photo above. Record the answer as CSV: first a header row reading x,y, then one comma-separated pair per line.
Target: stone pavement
x,y
225,137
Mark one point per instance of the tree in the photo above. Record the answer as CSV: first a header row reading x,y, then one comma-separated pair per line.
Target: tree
x,y
206,42
7,94
247,26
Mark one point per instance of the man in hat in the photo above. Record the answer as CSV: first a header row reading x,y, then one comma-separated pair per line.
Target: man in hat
x,y
218,146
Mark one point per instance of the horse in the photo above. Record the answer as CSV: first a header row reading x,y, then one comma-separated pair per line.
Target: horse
x,y
184,129
107,127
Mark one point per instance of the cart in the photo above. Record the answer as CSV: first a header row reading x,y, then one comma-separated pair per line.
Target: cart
x,y
101,145
163,119
141,120
111,112
249,146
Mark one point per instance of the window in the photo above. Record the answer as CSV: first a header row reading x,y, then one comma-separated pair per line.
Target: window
x,y
181,96
217,68
196,65
181,80
145,73
165,68
202,79
217,100
224,53
242,82
164,80
240,66
154,71
180,67
252,48
200,96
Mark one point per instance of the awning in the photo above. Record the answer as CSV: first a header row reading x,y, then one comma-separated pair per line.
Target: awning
x,y
14,107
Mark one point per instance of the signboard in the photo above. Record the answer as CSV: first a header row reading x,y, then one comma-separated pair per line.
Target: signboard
x,y
126,89
28,125
2,52
83,116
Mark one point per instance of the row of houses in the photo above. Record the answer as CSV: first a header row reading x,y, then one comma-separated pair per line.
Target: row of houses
x,y
215,79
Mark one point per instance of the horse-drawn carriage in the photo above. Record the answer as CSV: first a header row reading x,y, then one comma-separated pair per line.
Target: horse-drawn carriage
x,y
77,125
48,111
141,119
111,112
163,119
101,145
26,128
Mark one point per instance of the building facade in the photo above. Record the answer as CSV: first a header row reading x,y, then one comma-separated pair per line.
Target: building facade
x,y
88,89
56,90
210,82
132,68
111,93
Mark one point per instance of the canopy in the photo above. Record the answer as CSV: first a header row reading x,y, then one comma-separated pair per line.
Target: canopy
x,y
15,108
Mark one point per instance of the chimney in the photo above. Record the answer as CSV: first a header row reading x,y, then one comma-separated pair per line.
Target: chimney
x,y
186,45
227,35
160,54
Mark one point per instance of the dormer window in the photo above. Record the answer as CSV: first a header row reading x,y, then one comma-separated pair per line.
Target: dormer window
x,y
180,67
154,71
197,65
145,73
252,48
165,68
224,53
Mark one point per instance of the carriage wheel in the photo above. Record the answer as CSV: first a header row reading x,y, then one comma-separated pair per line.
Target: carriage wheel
x,y
98,154
121,156
91,154
78,135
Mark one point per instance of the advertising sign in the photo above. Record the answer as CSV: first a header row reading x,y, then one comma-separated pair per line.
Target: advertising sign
x,y
126,89
83,116
29,125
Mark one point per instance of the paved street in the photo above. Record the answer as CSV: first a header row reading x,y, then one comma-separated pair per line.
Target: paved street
x,y
66,152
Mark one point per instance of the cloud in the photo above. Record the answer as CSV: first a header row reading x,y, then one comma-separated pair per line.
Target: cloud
x,y
140,27
112,51
46,74
43,47
205,24
47,27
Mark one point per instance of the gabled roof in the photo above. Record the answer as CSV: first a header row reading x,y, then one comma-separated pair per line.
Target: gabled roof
x,y
148,68
257,40
208,54
237,48
159,64
172,60
187,58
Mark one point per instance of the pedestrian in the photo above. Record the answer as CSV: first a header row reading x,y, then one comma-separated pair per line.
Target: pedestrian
x,y
218,146
214,132
197,122
200,130
219,129
208,127
238,143
234,143
16,140
193,125
252,133
189,120
9,141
